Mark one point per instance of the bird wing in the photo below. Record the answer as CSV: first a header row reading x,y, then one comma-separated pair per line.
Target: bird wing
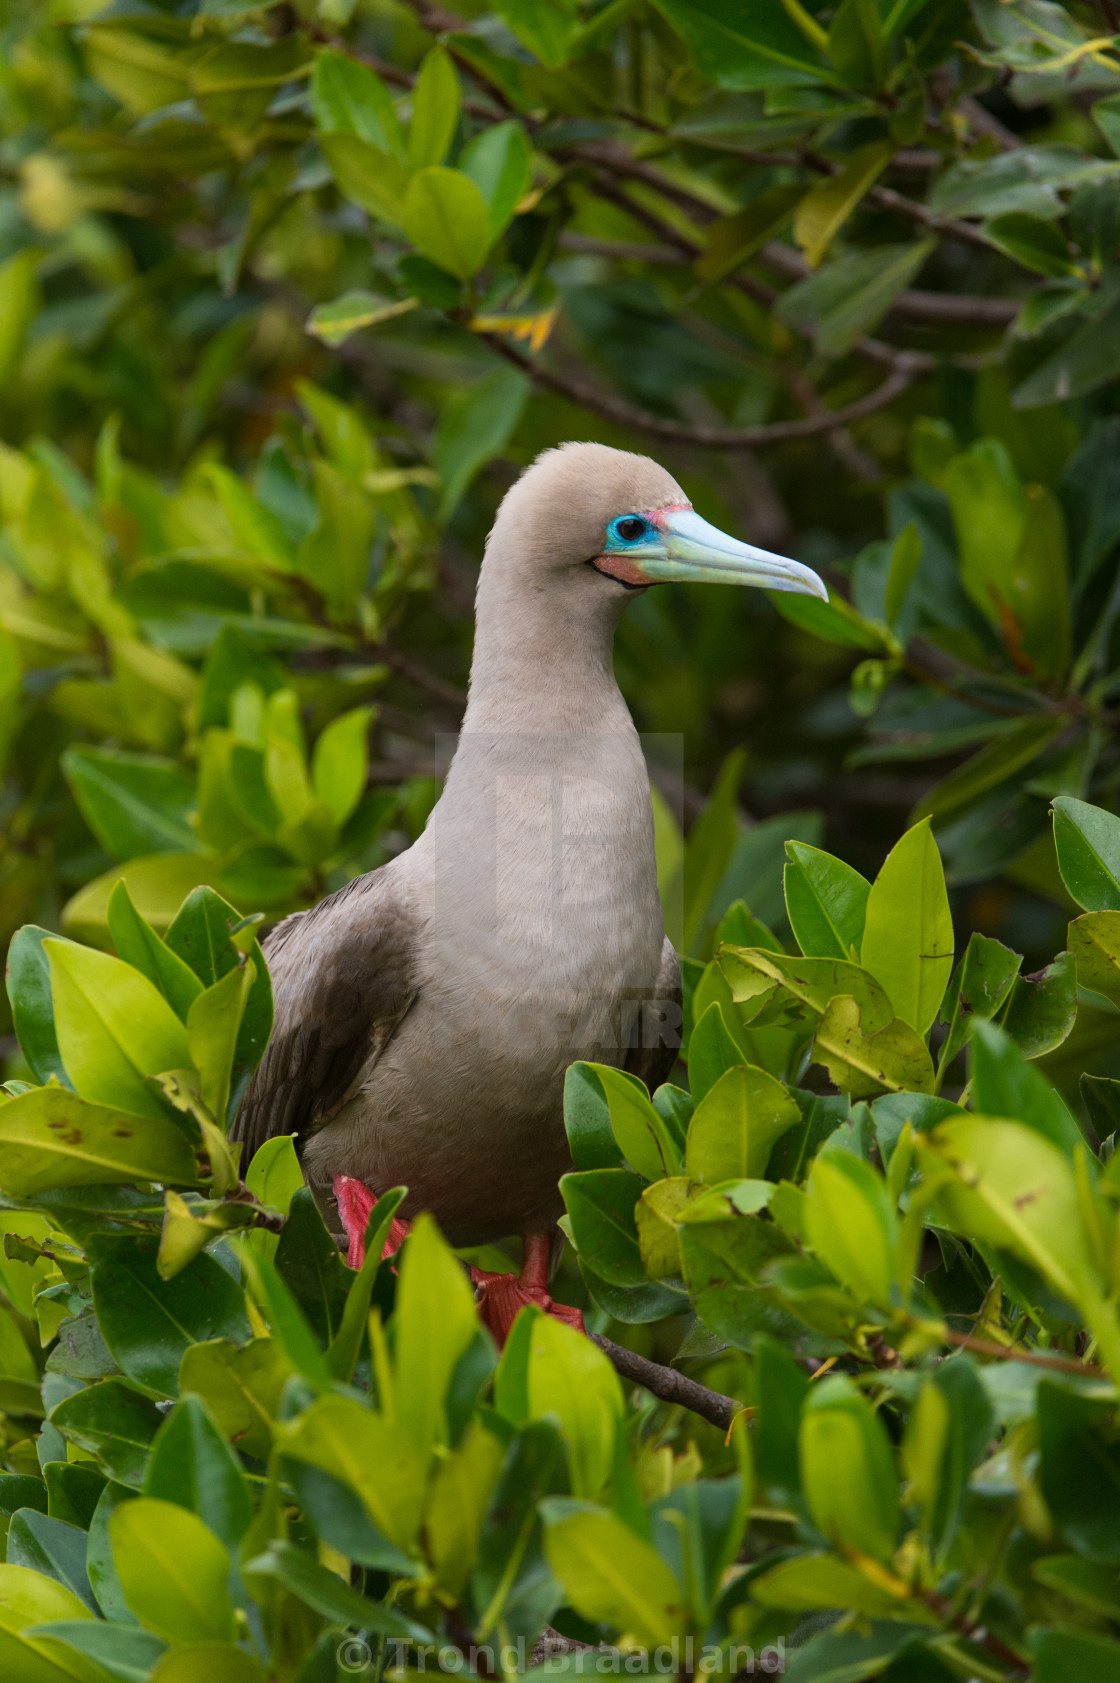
x,y
343,977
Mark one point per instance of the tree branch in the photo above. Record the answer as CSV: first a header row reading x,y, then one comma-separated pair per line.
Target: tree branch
x,y
730,438
671,1386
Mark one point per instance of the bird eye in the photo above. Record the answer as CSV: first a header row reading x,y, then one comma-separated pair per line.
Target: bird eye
x,y
630,528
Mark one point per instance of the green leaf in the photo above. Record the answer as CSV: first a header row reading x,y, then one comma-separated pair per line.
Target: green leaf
x,y
641,1133
611,1575
600,1205
334,323
123,1650
1003,1083
436,98
1025,179
213,1030
983,980
114,1029
996,762
218,1662
826,902
192,1465
310,1266
1061,1654
345,1347
566,1375
1036,244
445,217
52,1547
847,1470
499,161
138,944
173,1571
1094,946
340,762
149,1323
240,1386
1088,358
434,1322
1087,840
1012,1188
906,554
546,27
210,936
1079,1472
377,1458
736,1124
908,935
810,1582
709,848
326,1593
133,803
587,1120
863,1063
851,1224
367,175
475,425
113,1422
1043,1008
350,98
1085,1582
845,302
457,1509
752,46
50,1137
834,621
825,208
29,993
713,1050
1012,554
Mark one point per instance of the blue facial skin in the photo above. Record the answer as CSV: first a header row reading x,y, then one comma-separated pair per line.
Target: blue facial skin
x,y
629,536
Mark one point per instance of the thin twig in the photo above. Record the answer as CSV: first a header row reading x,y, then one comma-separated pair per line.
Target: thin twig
x,y
988,1347
671,1386
728,438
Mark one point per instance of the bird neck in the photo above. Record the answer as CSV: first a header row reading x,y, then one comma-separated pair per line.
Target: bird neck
x,y
542,663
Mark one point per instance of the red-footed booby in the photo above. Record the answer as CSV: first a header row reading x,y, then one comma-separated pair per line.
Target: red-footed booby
x,y
426,1013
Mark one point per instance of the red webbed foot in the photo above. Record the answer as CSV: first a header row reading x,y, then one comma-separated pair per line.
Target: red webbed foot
x,y
502,1296
355,1201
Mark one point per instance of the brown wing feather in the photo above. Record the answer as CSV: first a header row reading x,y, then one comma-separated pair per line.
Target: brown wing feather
x,y
343,976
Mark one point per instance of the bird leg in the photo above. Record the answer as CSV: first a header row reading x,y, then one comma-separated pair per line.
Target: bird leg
x,y
501,1296
355,1201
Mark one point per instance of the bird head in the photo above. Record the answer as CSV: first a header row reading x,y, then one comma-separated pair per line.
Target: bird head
x,y
585,509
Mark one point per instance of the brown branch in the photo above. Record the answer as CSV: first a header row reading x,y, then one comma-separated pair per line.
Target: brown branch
x,y
729,438
988,1347
671,1386
926,218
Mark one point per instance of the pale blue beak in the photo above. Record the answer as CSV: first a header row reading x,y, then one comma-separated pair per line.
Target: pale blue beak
x,y
687,549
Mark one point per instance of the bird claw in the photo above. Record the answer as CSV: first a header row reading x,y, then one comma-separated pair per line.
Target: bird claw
x,y
501,1297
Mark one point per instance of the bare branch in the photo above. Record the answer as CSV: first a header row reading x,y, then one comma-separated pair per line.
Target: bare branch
x,y
625,414
671,1386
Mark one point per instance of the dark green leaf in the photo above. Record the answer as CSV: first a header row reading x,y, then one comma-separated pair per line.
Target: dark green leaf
x,y
1087,840
148,1322
51,1546
192,1464
29,991
600,1204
